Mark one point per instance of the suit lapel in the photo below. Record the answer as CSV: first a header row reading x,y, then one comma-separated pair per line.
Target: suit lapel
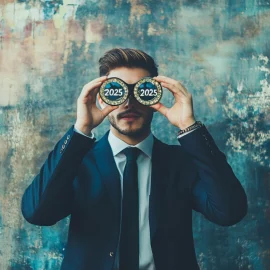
x,y
159,184
111,177
108,171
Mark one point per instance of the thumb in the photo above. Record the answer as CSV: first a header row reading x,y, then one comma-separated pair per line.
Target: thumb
x,y
106,110
161,108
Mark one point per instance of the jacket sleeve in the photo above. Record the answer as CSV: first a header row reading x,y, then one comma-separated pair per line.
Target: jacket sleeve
x,y
215,192
49,197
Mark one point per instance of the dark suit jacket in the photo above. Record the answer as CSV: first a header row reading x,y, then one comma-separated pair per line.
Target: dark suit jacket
x,y
80,178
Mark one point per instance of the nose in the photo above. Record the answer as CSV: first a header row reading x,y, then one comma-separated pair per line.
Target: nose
x,y
130,101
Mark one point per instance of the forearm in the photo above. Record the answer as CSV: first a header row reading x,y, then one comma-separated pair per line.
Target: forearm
x,y
216,192
49,197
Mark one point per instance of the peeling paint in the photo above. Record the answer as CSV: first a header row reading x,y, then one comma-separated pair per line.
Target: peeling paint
x,y
50,49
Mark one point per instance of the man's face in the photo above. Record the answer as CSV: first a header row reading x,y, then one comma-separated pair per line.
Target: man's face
x,y
121,118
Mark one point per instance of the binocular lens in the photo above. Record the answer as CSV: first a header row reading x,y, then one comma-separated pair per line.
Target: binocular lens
x,y
113,92
146,93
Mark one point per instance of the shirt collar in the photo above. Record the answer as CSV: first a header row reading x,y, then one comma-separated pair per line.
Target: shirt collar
x,y
118,145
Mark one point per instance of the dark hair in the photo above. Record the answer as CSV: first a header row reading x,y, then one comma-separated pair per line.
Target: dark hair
x,y
132,58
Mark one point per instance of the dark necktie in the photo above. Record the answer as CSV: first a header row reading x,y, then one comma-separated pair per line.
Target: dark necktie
x,y
129,240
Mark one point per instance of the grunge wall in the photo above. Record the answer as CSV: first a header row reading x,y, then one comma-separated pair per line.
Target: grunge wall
x,y
220,49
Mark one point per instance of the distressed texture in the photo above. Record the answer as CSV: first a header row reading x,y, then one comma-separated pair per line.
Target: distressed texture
x,y
220,50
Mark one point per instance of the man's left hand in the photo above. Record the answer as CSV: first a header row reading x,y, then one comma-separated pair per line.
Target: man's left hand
x,y
181,113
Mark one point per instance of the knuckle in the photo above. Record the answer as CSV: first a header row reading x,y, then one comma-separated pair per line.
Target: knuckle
x,y
79,100
87,85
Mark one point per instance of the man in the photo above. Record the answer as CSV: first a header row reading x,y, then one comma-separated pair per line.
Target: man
x,y
148,226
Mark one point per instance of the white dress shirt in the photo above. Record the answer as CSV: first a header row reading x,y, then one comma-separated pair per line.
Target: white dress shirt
x,y
144,162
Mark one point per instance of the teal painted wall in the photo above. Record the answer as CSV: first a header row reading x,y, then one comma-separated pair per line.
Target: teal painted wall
x,y
220,50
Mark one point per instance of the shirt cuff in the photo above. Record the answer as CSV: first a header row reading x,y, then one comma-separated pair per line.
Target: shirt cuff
x,y
186,133
91,136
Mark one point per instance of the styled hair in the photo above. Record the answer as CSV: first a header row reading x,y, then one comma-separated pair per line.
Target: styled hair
x,y
131,58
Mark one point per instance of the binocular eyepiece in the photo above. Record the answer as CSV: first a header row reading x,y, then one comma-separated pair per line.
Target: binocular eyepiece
x,y
115,91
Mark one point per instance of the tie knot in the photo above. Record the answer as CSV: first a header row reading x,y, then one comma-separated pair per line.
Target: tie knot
x,y
131,153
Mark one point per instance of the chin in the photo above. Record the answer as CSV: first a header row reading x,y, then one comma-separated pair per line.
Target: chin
x,y
130,130
131,133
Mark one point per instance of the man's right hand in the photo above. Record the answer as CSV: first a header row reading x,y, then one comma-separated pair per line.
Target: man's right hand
x,y
88,114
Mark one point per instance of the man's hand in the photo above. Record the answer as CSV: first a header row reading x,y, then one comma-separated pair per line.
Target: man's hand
x,y
181,113
88,114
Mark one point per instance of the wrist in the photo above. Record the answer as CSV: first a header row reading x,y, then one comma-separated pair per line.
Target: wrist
x,y
187,124
196,125
84,129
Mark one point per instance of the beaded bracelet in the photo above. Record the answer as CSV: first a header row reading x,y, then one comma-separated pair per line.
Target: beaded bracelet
x,y
193,126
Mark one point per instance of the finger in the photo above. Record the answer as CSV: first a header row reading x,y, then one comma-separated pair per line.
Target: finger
x,y
172,82
161,108
87,89
165,79
174,89
100,79
106,110
94,92
91,85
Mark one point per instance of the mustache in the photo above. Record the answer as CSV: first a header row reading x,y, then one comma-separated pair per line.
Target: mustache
x,y
123,114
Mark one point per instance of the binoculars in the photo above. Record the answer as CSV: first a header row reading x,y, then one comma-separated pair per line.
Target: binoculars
x,y
115,91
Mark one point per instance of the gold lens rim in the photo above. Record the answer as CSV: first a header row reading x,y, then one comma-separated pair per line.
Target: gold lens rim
x,y
154,100
116,102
